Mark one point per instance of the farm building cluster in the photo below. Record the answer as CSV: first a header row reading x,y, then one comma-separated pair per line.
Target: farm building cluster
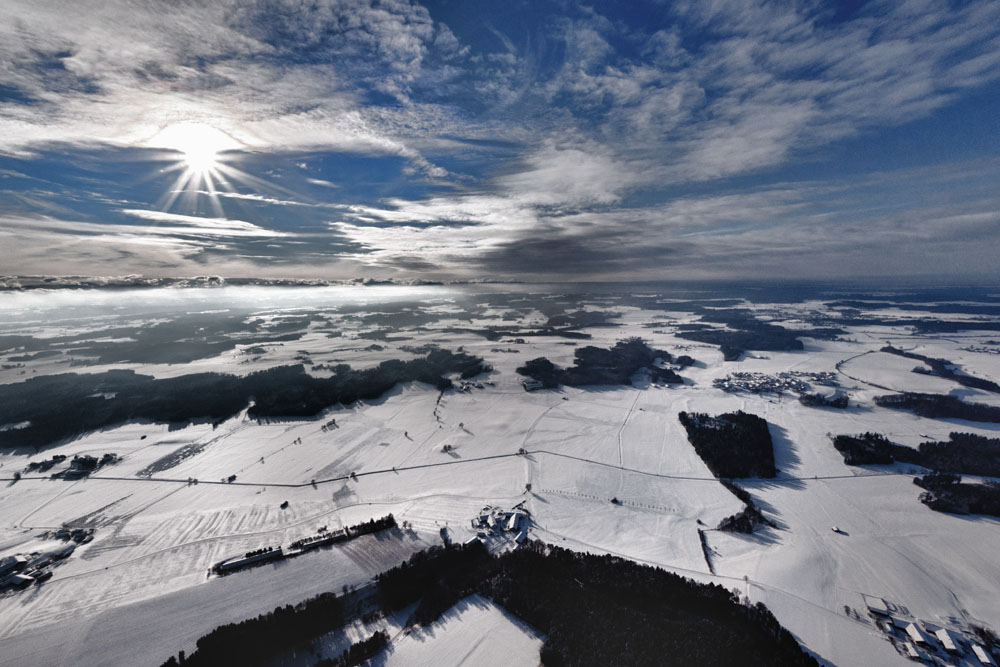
x,y
930,643
501,530
19,571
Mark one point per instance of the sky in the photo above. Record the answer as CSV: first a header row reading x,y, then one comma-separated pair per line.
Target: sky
x,y
536,141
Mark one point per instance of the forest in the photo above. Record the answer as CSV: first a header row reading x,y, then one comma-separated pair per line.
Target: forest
x,y
963,453
946,493
745,332
593,610
940,406
67,405
595,366
734,444
601,610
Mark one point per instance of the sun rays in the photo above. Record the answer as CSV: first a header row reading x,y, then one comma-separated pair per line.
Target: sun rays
x,y
204,156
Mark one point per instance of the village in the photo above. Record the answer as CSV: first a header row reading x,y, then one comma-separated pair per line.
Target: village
x,y
798,382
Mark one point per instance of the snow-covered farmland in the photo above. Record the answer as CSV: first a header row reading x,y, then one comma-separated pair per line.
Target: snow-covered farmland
x,y
435,459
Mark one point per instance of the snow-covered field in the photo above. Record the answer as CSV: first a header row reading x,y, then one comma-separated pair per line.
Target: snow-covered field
x,y
474,633
141,586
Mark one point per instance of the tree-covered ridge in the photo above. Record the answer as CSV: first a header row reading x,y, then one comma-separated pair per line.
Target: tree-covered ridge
x,y
594,366
734,444
67,405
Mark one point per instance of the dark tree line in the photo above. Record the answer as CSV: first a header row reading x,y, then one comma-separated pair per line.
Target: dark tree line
x,y
939,406
67,405
964,453
946,493
819,401
371,526
746,520
944,368
359,652
734,444
594,366
257,640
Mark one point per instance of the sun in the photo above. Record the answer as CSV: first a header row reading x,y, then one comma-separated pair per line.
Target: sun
x,y
198,143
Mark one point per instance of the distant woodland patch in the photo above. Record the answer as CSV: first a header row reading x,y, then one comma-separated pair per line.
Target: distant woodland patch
x,y
940,406
964,453
71,404
745,332
595,366
734,444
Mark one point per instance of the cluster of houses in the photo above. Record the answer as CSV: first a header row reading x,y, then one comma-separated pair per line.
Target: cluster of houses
x,y
496,527
927,642
21,570
797,382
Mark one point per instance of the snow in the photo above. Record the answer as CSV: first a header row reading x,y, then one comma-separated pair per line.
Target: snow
x,y
473,633
156,538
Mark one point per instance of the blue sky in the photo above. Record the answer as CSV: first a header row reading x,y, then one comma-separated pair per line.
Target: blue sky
x,y
530,140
